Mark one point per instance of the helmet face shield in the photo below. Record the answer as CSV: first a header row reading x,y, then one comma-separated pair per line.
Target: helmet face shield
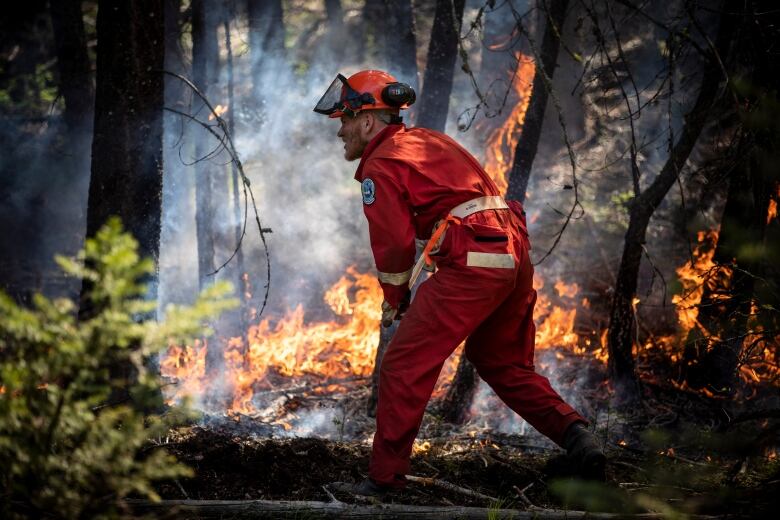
x,y
341,98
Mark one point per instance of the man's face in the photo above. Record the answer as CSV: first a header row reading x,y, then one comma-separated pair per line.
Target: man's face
x,y
354,133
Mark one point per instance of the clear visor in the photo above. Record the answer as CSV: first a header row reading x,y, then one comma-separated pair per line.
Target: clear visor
x,y
333,99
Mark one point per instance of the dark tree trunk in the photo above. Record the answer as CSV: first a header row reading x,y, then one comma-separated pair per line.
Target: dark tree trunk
x,y
724,311
525,151
461,392
174,55
73,64
714,346
439,67
335,14
400,43
127,162
373,40
127,145
621,326
266,44
205,65
176,280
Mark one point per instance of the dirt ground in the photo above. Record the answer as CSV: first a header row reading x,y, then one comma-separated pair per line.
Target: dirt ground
x,y
230,464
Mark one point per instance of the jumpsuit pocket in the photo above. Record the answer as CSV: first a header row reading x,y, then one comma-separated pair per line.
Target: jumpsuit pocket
x,y
489,246
486,236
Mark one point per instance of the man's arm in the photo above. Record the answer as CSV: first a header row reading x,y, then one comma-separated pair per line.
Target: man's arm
x,y
391,229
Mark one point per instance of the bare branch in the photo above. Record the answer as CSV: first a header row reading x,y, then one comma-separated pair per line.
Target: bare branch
x,y
231,149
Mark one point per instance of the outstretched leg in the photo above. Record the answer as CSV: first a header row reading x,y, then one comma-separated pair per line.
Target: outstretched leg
x,y
502,350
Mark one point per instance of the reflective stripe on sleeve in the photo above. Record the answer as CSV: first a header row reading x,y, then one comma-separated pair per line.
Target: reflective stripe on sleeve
x,y
395,278
497,260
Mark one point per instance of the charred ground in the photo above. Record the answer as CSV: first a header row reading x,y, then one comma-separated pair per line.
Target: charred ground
x,y
691,453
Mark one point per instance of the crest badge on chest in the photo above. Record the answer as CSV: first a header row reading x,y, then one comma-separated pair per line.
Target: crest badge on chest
x,y
369,191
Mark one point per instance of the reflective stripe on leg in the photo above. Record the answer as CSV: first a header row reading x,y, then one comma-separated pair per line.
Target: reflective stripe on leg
x,y
495,260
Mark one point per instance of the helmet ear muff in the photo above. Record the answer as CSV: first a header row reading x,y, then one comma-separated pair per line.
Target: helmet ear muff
x,y
398,94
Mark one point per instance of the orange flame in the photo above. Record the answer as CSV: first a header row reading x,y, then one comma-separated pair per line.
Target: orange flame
x,y
218,110
556,324
503,140
694,275
338,348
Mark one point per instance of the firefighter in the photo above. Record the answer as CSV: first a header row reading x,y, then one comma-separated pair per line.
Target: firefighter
x,y
420,185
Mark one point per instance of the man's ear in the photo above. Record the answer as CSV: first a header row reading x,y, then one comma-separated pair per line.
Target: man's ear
x,y
367,124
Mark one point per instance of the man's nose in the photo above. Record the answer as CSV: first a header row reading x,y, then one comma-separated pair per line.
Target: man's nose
x,y
341,132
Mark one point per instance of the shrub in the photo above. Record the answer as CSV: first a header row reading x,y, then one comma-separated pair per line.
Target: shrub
x,y
68,448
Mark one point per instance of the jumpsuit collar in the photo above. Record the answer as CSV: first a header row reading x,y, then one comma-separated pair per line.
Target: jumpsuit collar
x,y
372,145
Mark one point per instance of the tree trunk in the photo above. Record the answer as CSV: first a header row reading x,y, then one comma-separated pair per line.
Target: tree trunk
x,y
127,162
335,14
400,43
621,326
525,151
266,44
714,346
127,145
460,394
238,271
205,65
176,275
373,41
456,404
75,71
442,52
724,314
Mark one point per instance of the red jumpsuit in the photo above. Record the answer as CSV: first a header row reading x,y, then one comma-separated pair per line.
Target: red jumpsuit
x,y
482,290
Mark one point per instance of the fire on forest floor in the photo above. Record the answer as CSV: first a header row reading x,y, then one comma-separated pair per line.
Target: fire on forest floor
x,y
278,452
235,460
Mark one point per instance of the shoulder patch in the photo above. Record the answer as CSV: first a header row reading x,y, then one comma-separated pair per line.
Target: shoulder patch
x,y
369,191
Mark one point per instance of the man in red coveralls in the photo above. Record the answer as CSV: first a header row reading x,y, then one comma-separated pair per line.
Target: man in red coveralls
x,y
419,184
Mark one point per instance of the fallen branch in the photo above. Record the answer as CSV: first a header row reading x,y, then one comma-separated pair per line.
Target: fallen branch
x,y
524,499
325,510
309,387
427,481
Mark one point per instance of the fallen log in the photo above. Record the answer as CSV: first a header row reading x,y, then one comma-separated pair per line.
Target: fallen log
x,y
326,510
427,481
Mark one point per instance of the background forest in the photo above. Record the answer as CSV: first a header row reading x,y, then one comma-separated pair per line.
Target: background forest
x,y
640,136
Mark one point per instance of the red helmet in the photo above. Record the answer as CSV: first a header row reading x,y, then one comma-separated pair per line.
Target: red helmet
x,y
365,90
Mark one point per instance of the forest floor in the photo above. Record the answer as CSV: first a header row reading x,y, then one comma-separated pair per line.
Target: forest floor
x,y
679,452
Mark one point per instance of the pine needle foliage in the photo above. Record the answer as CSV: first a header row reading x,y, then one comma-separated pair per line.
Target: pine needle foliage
x,y
68,449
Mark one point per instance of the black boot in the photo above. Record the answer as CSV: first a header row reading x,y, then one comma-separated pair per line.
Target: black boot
x,y
584,452
366,488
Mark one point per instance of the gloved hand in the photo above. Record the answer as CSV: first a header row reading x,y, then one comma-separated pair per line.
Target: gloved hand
x,y
390,313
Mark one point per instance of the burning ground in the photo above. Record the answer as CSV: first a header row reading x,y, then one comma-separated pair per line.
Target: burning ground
x,y
290,416
684,451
